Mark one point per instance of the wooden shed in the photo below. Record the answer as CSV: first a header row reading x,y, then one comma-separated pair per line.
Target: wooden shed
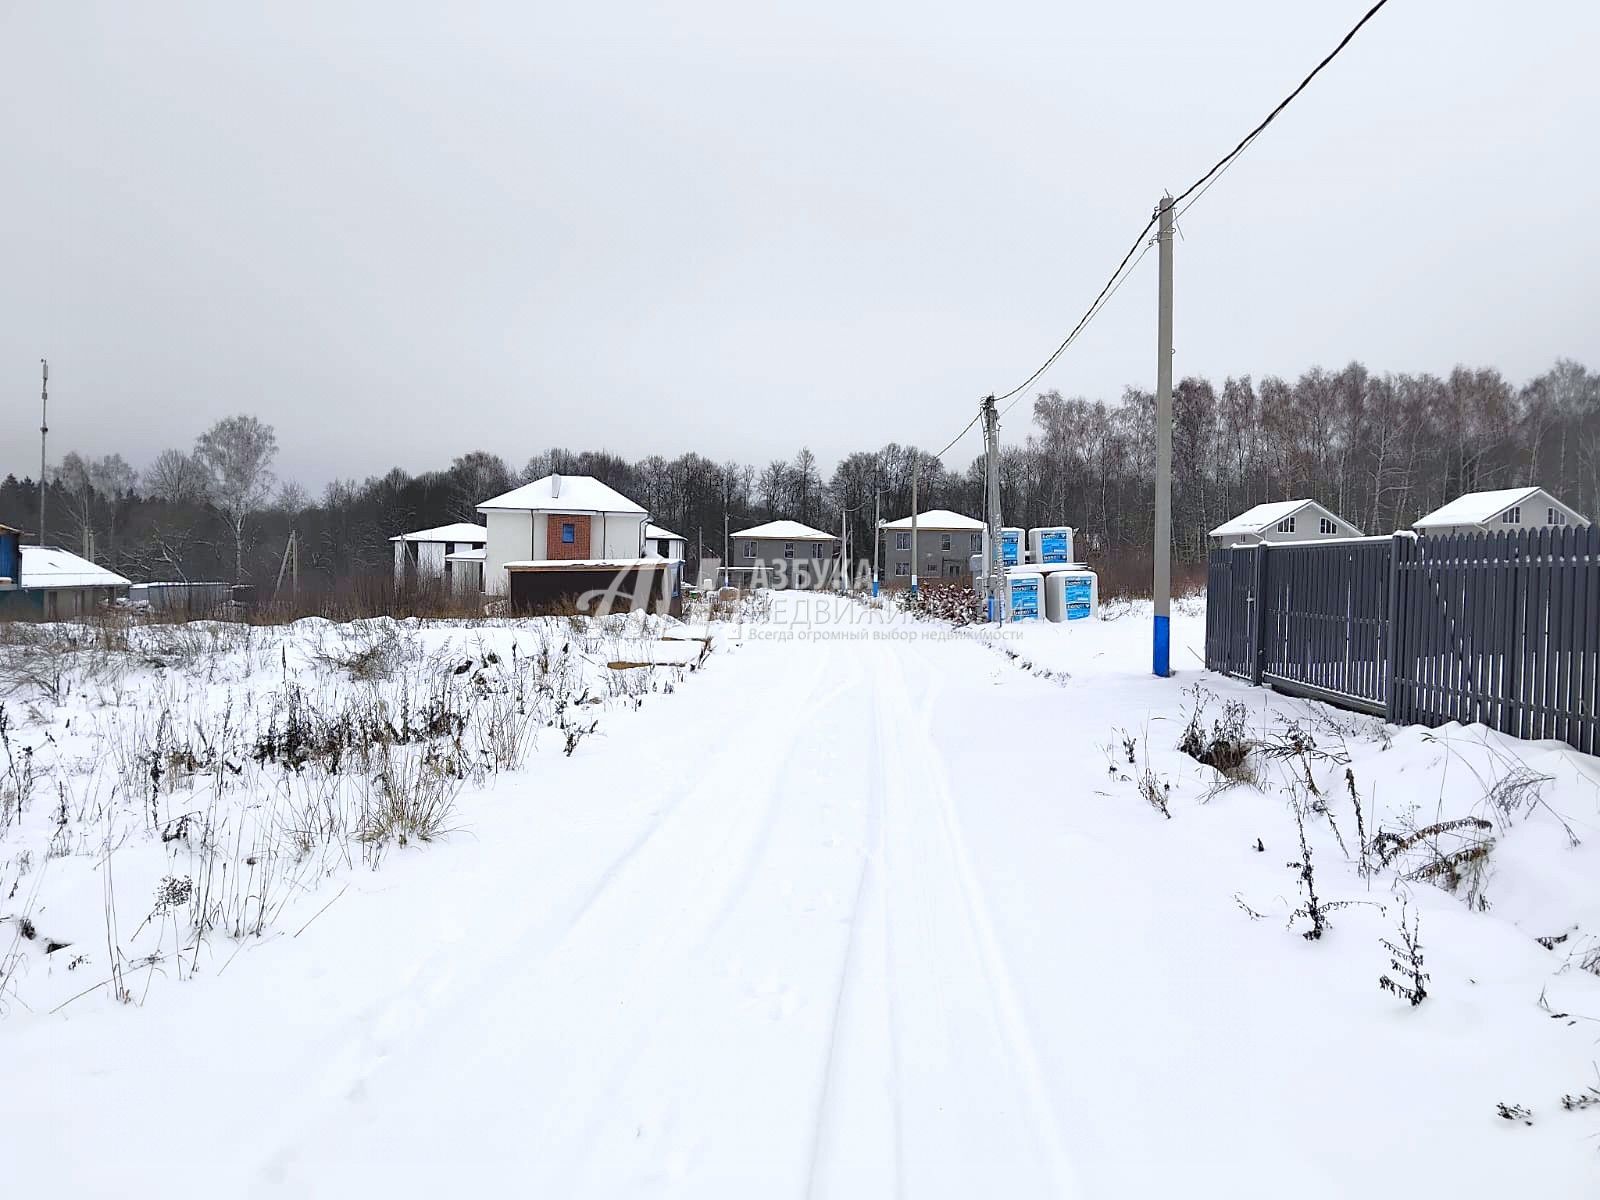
x,y
597,587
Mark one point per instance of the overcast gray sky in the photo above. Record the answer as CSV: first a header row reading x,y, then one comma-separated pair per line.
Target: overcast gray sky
x,y
398,232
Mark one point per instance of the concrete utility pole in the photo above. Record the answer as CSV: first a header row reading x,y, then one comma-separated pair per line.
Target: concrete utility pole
x,y
916,469
998,595
844,546
44,428
1161,658
877,533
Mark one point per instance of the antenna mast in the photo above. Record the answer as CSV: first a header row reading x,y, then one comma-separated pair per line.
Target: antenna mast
x,y
44,428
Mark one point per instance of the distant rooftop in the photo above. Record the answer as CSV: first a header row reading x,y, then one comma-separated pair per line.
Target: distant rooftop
x,y
938,519
1260,518
53,567
786,531
564,494
461,531
1477,507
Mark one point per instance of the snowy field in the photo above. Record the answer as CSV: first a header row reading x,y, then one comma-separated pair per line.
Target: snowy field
x,y
835,903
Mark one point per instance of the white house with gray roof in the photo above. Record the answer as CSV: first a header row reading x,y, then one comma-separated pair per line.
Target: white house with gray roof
x,y
1500,510
1283,521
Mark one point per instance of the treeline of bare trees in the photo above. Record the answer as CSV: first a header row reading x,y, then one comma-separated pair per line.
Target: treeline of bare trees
x,y
1379,449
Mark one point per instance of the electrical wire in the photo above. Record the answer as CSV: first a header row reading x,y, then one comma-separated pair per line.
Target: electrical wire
x,y
960,435
1196,189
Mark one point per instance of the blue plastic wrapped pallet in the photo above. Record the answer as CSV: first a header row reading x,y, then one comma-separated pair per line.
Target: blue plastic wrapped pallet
x,y
1071,595
1011,546
1050,543
1027,595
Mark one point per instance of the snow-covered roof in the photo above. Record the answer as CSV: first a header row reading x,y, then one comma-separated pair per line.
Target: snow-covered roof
x,y
785,531
50,567
461,531
465,556
1264,516
563,494
938,519
655,531
1476,508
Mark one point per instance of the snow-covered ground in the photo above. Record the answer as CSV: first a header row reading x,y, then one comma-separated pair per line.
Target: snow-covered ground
x,y
865,907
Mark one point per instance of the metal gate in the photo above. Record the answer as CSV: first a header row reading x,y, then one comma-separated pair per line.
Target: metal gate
x,y
1232,587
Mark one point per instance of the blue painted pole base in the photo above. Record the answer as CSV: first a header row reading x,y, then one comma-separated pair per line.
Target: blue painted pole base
x,y
1160,659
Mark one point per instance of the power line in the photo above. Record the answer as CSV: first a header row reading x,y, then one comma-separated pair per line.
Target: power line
x,y
1100,302
1223,162
960,435
1200,186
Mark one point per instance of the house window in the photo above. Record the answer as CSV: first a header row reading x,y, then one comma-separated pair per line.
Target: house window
x,y
569,533
749,549
788,549
944,541
977,542
1326,527
901,568
902,541
1555,517
1512,515
816,549
1286,525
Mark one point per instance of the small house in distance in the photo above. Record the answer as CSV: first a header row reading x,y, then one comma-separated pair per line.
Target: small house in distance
x,y
946,542
51,583
560,518
1283,521
10,557
1500,510
431,553
784,552
665,543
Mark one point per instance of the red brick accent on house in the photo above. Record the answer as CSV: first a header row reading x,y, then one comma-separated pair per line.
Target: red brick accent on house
x,y
578,547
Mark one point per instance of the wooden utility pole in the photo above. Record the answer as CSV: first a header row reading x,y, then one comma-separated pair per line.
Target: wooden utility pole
x,y
1162,591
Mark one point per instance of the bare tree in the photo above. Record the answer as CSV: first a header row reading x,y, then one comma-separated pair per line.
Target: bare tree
x,y
475,477
237,453
176,478
92,488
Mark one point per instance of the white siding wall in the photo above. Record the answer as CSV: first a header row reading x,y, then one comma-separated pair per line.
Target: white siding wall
x,y
622,535
511,539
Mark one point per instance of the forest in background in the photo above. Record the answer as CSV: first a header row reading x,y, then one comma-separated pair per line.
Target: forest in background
x,y
1380,449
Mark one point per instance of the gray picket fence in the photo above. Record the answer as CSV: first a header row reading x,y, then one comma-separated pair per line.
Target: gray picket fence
x,y
1498,628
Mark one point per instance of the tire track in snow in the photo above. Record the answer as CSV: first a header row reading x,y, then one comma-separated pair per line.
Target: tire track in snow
x,y
933,829
361,1069
868,890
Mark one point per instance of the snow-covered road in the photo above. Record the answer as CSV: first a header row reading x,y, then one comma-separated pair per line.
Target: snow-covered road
x,y
856,913
783,980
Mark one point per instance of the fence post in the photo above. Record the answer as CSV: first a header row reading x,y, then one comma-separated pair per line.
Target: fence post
x,y
1391,633
1258,612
